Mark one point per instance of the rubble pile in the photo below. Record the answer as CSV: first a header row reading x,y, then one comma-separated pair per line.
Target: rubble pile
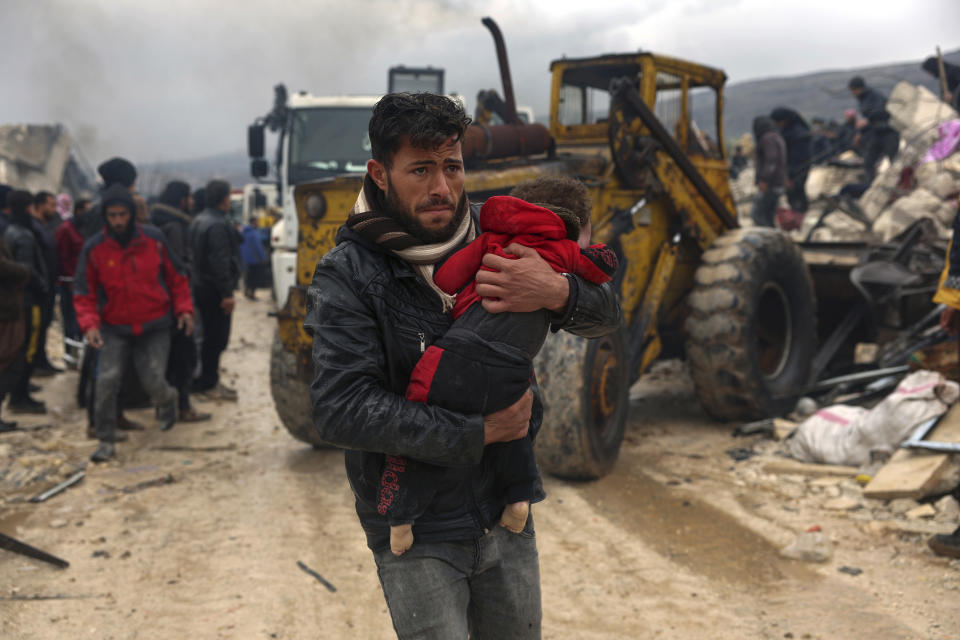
x,y
907,189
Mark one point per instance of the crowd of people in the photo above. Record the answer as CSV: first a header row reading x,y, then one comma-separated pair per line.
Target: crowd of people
x,y
133,282
787,146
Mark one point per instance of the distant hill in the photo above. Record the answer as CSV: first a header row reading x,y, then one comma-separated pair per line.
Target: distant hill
x,y
821,94
234,167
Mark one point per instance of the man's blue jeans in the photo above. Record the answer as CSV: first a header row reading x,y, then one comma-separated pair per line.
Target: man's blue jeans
x,y
488,587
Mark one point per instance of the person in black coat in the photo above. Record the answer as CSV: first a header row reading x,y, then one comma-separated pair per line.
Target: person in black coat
x,y
26,247
877,138
214,276
952,72
170,215
799,140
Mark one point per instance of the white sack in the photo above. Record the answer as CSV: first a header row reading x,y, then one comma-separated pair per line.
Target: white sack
x,y
846,435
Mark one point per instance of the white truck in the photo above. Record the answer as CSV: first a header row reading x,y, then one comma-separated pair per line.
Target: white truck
x,y
318,137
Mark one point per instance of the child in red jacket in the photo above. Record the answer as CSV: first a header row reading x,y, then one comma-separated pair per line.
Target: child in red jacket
x,y
484,362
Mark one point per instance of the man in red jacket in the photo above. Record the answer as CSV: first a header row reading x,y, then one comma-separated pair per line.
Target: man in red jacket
x,y
127,292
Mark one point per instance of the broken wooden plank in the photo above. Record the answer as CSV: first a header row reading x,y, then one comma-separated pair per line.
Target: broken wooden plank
x,y
808,468
914,474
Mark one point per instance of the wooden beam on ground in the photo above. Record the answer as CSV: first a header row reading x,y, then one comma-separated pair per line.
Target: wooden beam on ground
x,y
788,466
915,473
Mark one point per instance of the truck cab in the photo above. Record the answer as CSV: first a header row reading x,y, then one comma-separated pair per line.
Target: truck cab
x,y
318,137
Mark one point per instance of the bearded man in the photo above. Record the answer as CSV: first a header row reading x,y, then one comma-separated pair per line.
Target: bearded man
x,y
127,291
373,309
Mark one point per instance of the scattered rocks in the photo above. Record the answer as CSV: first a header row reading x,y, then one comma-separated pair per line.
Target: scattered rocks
x,y
923,511
900,506
58,523
948,509
809,546
843,503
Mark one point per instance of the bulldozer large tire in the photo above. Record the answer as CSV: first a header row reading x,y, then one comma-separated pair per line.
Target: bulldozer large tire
x,y
751,325
584,385
291,395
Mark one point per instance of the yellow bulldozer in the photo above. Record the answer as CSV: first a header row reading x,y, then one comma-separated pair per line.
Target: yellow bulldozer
x,y
644,132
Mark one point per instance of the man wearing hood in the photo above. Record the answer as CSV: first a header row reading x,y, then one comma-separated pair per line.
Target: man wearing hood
x,y
23,240
771,163
170,216
877,139
113,171
127,292
799,140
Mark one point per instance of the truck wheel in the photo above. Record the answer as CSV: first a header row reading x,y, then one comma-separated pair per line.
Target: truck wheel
x,y
291,395
751,325
584,385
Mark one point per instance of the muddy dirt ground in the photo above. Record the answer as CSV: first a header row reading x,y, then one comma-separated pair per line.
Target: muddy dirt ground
x,y
680,541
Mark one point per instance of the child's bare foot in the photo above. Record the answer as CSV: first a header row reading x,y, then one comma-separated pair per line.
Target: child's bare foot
x,y
515,515
401,538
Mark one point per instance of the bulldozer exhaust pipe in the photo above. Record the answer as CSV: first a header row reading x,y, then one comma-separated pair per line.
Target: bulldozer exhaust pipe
x,y
504,70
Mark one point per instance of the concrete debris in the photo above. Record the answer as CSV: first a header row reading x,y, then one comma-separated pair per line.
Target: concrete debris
x,y
905,211
892,201
923,511
43,157
842,503
948,509
900,506
809,546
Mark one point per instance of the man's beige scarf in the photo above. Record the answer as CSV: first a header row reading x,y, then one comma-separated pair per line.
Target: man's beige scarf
x,y
389,234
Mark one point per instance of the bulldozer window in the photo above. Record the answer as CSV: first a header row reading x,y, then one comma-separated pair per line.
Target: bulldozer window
x,y
669,105
703,136
583,105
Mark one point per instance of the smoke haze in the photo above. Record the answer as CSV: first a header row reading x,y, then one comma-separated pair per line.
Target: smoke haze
x,y
178,79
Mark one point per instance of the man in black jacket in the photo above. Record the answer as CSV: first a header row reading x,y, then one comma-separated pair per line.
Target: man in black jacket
x,y
13,276
25,245
877,138
171,216
215,274
372,310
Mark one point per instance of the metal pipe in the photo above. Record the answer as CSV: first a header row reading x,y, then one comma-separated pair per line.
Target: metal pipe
x,y
504,70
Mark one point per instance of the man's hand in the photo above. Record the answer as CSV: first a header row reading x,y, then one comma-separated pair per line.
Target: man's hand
x,y
227,305
948,320
789,183
509,424
522,285
185,323
761,186
94,339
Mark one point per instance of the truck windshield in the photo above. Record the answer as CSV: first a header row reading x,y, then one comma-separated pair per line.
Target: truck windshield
x,y
326,141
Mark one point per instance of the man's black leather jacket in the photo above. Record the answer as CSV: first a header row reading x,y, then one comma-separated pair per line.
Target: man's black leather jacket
x,y
216,254
371,317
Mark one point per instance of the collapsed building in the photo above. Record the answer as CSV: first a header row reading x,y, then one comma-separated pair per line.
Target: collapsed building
x,y
43,158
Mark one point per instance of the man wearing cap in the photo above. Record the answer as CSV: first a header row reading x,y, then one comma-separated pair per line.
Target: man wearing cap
x,y
877,138
127,292
113,171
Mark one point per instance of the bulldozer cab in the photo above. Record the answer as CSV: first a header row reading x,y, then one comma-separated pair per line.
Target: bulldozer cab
x,y
687,98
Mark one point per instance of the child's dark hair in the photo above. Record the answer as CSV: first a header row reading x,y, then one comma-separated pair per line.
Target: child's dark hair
x,y
567,197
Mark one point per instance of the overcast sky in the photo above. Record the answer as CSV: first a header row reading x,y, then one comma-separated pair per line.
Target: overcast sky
x,y
173,79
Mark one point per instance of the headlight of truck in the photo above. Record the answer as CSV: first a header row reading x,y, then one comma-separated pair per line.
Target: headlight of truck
x,y
316,205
